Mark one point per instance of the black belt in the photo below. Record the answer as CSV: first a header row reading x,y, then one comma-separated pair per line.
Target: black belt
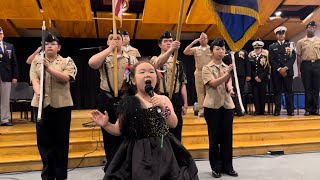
x,y
312,61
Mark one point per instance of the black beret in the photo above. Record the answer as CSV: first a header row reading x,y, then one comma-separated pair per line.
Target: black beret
x,y
125,33
111,31
51,38
166,34
218,42
312,23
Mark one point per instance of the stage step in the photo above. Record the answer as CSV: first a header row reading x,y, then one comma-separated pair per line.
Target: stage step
x,y
196,123
19,148
12,163
256,134
252,135
262,147
30,134
81,144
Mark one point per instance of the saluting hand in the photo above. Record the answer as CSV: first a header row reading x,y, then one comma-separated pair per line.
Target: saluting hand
x,y
196,40
99,118
38,49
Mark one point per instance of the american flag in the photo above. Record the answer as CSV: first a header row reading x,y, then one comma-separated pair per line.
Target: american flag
x,y
118,9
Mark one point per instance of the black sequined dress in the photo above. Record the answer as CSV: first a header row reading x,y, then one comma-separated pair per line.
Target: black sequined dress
x,y
149,151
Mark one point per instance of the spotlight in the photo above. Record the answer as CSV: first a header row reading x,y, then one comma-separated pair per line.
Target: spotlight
x,y
278,13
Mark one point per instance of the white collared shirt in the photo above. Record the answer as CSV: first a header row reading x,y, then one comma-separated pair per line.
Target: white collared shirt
x,y
1,45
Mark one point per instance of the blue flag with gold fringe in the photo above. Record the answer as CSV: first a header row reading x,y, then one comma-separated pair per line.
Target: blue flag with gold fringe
x,y
237,20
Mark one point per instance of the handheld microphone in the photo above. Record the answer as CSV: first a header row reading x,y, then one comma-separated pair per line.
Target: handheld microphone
x,y
149,90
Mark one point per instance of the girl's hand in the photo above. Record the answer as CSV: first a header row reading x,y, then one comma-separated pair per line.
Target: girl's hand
x,y
159,101
99,118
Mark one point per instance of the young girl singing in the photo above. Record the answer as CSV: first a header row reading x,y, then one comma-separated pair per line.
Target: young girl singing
x,y
149,151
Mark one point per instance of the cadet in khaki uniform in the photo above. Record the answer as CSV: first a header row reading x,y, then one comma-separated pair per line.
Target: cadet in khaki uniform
x,y
127,47
308,57
219,110
53,130
106,101
259,75
164,62
202,56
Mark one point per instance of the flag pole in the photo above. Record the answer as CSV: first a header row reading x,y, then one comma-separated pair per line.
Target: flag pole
x,y
175,56
236,81
115,52
42,73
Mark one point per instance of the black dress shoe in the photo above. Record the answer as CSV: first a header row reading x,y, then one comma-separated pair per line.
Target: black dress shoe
x,y
7,124
216,174
290,114
307,113
231,173
315,113
276,114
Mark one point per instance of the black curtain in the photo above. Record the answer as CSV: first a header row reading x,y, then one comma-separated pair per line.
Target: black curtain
x,y
85,88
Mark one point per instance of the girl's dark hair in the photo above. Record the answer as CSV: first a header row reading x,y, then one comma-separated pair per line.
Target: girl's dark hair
x,y
129,88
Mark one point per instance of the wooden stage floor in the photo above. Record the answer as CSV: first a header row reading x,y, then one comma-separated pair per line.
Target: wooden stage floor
x,y
251,135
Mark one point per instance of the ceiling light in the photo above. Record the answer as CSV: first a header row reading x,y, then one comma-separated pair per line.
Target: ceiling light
x,y
278,13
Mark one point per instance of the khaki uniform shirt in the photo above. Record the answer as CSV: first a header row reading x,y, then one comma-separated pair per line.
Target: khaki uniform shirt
x,y
57,93
216,97
131,51
201,56
167,73
308,50
122,64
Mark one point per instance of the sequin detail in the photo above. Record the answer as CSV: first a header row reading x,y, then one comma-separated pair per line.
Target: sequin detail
x,y
147,123
166,113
